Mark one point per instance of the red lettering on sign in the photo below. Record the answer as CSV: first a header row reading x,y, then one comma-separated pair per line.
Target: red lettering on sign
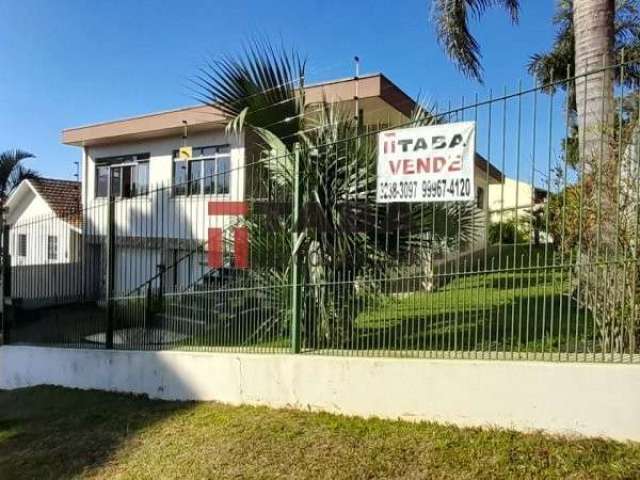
x,y
394,166
407,167
455,166
424,165
438,164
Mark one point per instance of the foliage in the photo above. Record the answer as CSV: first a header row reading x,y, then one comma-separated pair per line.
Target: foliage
x,y
343,233
509,231
12,172
559,62
577,220
451,21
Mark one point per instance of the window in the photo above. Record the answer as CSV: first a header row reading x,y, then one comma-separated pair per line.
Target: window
x,y
207,172
52,247
22,245
480,198
127,175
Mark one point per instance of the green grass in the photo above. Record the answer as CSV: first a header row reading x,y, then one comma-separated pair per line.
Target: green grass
x,y
51,433
520,310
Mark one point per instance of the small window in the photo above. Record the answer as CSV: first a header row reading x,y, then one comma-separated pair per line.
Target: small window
x,y
52,247
480,198
102,181
22,245
208,172
127,175
140,182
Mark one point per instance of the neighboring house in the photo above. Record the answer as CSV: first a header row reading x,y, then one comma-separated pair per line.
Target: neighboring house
x,y
44,219
511,196
135,155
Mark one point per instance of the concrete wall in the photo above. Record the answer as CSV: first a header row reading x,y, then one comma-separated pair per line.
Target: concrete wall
x,y
587,399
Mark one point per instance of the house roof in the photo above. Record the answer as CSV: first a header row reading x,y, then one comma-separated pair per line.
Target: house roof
x,y
481,163
204,117
62,196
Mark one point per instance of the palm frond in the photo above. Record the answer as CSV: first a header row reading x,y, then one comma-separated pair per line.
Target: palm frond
x,y
9,164
263,89
19,174
558,62
451,20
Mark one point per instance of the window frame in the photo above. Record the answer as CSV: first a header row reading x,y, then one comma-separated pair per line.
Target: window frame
x,y
223,152
20,237
480,193
50,250
120,162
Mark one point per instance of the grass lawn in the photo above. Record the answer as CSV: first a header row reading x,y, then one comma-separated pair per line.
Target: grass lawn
x,y
519,310
49,432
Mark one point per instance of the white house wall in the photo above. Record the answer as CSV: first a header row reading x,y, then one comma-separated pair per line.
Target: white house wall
x,y
38,221
160,213
509,197
148,219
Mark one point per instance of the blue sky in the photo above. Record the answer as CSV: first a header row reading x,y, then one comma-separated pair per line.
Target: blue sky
x,y
70,62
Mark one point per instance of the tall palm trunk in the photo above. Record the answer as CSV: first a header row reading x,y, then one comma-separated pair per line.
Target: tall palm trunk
x,y
594,43
598,266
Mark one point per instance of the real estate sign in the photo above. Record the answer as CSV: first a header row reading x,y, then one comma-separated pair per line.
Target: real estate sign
x,y
427,164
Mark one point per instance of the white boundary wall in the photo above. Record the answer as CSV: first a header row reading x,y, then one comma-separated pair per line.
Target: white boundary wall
x,y
586,399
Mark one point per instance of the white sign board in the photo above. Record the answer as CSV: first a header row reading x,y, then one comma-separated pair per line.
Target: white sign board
x,y
427,164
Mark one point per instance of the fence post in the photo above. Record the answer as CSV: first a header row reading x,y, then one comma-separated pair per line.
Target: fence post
x,y
296,287
110,270
7,310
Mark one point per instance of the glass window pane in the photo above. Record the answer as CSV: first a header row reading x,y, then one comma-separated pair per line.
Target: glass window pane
x,y
22,245
141,179
209,176
195,177
223,174
102,181
52,247
180,177
126,181
116,177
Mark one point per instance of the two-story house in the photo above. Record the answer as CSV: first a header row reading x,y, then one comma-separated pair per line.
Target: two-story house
x,y
174,213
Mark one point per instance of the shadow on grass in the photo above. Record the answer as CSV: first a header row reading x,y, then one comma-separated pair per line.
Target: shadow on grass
x,y
51,432
540,323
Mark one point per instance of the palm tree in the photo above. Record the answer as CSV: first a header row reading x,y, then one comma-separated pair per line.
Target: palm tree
x,y
592,32
12,172
450,18
587,37
552,65
344,237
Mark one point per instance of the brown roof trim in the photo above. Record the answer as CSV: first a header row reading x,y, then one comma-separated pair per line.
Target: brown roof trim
x,y
204,117
145,126
394,96
482,164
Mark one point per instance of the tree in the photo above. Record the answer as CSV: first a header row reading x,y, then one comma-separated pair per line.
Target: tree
x,y
451,20
346,241
590,38
12,172
553,64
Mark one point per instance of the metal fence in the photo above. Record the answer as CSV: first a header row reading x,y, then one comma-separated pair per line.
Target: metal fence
x,y
289,251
